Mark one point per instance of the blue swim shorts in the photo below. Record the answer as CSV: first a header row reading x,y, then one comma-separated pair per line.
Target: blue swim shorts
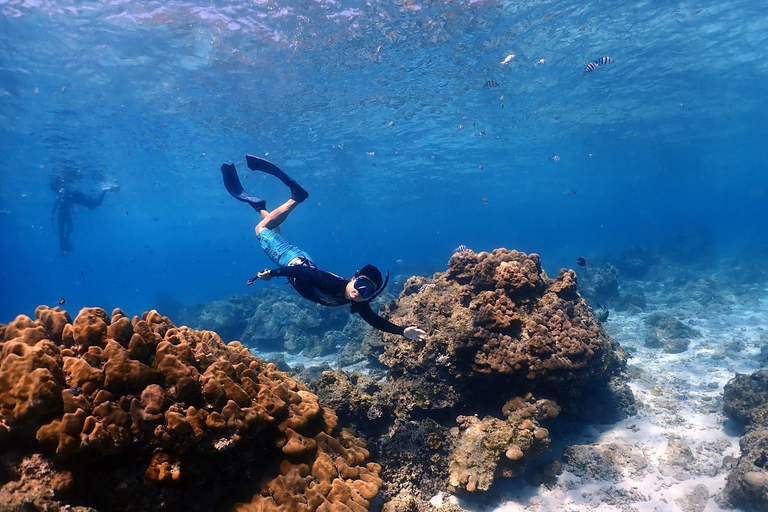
x,y
278,250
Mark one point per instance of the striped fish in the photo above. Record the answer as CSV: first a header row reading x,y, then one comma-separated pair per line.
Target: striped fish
x,y
461,248
591,66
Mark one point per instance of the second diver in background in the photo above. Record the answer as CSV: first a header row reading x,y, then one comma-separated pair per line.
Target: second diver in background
x,y
309,281
65,202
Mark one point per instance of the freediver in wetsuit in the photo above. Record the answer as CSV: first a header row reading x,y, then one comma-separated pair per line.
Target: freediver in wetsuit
x,y
65,202
310,282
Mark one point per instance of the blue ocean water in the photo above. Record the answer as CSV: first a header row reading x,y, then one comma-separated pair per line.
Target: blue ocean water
x,y
385,113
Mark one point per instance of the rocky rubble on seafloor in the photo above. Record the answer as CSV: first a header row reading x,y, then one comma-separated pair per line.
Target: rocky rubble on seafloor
x,y
108,412
668,333
745,400
508,349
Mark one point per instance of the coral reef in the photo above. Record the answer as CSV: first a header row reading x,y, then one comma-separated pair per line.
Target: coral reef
x,y
599,284
491,446
355,398
277,320
688,243
414,456
228,318
745,400
668,333
495,321
636,261
33,483
138,414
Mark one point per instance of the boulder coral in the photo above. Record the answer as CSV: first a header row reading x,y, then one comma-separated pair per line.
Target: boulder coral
x,y
491,446
496,319
190,423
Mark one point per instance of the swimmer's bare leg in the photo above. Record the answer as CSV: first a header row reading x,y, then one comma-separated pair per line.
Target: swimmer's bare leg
x,y
272,220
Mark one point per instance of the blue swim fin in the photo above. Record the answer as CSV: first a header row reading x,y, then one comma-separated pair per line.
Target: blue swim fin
x,y
255,163
236,190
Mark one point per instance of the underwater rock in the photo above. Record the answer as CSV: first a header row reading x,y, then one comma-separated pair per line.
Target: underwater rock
x,y
288,322
678,459
745,400
600,283
694,501
636,261
228,318
415,457
33,482
356,398
632,299
277,320
688,244
185,415
612,461
747,484
669,333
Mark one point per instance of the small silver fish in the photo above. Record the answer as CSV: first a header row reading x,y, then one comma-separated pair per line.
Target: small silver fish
x,y
461,248
508,59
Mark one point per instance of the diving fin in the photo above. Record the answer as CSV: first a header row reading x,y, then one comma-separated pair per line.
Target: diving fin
x,y
236,190
255,163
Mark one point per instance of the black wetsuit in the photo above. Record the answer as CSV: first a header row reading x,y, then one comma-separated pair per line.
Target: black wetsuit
x,y
329,290
65,203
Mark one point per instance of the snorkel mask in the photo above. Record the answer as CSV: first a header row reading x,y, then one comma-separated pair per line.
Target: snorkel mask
x,y
367,288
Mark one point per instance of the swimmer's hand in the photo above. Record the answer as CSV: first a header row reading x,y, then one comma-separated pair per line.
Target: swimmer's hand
x,y
414,333
265,275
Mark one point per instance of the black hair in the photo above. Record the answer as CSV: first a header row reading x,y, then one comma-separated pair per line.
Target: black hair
x,y
373,274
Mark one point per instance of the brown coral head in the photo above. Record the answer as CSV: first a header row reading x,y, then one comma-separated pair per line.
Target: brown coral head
x,y
565,285
514,453
163,468
91,327
148,391
461,266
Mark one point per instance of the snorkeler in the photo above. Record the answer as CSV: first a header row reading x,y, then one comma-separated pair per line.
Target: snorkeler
x,y
310,282
65,202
